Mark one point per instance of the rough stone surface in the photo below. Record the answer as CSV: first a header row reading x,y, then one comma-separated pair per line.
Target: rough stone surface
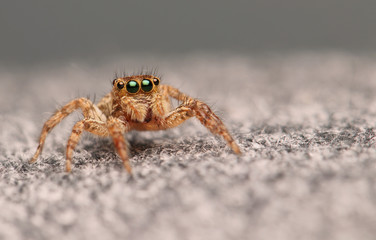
x,y
305,122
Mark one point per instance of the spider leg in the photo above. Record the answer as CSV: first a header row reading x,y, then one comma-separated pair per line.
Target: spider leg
x,y
89,110
94,126
116,129
214,123
178,116
72,142
193,107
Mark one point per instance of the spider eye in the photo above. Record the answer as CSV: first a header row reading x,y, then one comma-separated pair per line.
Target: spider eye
x,y
113,82
146,85
156,81
120,85
132,86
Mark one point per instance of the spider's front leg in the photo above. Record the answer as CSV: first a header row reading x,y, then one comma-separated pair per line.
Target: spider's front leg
x,y
117,128
89,110
93,126
193,107
113,127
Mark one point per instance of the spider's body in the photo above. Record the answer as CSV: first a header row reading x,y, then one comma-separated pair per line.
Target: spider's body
x,y
135,103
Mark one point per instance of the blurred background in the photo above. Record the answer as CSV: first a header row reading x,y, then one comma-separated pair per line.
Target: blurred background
x,y
41,31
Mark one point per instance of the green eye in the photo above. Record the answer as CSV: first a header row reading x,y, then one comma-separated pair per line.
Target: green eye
x,y
132,86
146,85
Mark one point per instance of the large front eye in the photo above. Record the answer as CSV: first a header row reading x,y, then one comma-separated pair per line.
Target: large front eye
x,y
132,86
146,85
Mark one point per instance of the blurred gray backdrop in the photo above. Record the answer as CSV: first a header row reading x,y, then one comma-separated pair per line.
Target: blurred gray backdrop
x,y
43,30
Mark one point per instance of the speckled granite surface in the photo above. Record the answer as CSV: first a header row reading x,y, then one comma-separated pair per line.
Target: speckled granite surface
x,y
306,123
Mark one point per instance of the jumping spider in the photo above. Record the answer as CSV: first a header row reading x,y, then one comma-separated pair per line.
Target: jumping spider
x,y
135,103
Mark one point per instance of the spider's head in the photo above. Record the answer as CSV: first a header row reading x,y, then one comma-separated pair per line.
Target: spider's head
x,y
135,85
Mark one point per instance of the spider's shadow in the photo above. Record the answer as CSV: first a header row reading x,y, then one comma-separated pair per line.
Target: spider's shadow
x,y
136,144
143,147
102,149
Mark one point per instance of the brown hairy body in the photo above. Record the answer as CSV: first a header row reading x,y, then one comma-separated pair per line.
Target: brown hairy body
x,y
135,103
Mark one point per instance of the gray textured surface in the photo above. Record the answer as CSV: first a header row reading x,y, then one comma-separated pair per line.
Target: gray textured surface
x,y
305,123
